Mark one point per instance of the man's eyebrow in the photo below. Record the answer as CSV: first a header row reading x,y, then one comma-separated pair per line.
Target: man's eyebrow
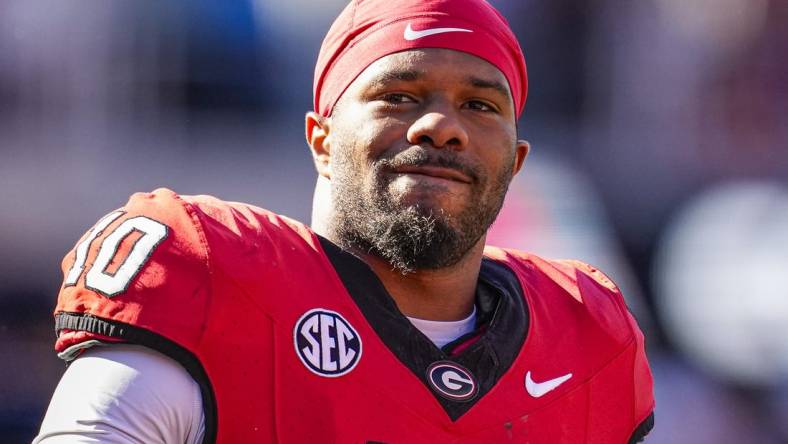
x,y
413,75
490,84
395,76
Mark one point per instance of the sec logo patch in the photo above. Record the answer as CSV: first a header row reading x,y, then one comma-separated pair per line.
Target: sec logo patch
x,y
452,381
326,343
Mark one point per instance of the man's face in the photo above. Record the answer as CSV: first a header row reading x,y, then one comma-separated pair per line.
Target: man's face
x,y
423,147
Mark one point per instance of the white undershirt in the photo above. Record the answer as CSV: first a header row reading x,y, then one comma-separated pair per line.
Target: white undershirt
x,y
443,332
129,394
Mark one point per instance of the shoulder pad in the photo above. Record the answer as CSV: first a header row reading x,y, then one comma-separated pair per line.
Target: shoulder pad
x,y
599,297
143,265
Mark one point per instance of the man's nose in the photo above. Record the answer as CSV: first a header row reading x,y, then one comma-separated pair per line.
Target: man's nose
x,y
441,129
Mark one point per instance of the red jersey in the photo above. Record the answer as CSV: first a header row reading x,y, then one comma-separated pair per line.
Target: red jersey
x,y
294,340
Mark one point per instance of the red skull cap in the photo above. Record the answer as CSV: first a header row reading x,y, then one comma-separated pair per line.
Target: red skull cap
x,y
367,30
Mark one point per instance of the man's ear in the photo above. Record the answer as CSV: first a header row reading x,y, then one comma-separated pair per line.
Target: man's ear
x,y
521,152
317,130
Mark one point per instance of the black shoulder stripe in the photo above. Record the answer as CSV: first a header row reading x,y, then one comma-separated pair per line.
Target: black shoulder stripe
x,y
642,430
137,335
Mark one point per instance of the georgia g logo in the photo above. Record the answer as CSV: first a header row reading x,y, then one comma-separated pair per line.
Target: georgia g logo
x,y
326,343
452,381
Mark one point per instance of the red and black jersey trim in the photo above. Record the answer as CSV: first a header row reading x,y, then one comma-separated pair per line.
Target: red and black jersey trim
x,y
136,335
501,327
643,429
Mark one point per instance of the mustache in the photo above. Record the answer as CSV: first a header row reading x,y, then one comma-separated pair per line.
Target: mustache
x,y
420,157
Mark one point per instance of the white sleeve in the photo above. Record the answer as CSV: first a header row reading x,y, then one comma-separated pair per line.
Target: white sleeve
x,y
124,394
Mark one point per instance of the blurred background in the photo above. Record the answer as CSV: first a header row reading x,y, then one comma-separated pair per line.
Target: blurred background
x,y
659,133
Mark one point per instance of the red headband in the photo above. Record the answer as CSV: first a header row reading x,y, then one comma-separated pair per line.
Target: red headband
x,y
367,30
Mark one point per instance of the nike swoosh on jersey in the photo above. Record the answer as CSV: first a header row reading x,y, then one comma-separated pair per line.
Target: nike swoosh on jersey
x,y
537,389
411,34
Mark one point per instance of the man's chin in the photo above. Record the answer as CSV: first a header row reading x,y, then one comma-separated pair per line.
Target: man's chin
x,y
425,184
443,194
427,205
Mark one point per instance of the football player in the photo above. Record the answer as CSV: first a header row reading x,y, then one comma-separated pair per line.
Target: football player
x,y
190,319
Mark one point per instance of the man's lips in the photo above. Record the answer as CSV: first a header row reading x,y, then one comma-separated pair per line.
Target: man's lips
x,y
431,171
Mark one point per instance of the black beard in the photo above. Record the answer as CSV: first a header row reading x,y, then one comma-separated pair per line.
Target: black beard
x,y
408,237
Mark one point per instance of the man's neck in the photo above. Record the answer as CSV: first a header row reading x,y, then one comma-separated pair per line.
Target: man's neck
x,y
446,294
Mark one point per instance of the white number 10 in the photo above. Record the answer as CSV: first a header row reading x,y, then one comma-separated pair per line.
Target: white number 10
x,y
97,277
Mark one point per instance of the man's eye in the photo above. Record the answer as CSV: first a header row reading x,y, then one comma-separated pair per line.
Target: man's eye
x,y
479,106
396,98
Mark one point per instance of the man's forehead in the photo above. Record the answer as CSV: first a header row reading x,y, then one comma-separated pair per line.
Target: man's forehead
x,y
435,58
433,64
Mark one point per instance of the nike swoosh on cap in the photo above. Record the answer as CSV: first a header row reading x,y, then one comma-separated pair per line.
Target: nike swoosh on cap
x,y
537,389
411,34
